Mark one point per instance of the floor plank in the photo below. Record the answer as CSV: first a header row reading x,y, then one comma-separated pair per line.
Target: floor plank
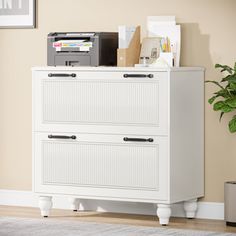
x,y
117,218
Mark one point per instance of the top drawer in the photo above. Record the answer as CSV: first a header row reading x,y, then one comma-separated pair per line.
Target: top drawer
x,y
95,101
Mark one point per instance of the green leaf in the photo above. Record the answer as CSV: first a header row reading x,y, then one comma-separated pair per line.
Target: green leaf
x,y
222,106
225,78
232,86
218,105
227,93
212,99
229,78
227,108
223,93
231,102
224,68
232,125
214,82
218,66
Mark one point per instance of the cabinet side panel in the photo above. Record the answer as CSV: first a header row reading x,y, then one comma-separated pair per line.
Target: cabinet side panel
x,y
34,89
186,135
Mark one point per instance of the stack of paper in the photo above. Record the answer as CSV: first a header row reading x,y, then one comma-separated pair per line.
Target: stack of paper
x,y
81,45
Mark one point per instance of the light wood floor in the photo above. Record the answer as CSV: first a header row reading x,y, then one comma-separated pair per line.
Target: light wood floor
x,y
114,218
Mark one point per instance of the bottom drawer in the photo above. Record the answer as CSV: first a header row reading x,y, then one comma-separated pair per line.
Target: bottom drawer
x,y
101,165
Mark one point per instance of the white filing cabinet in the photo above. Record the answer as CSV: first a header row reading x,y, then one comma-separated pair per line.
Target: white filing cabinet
x,y
125,134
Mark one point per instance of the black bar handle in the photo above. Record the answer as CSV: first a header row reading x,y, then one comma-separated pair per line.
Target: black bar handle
x,y
138,76
126,139
73,75
61,137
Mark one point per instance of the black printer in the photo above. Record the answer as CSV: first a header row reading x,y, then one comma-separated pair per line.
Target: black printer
x,y
82,49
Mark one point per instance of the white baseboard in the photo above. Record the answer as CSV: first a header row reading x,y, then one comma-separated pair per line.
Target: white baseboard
x,y
206,210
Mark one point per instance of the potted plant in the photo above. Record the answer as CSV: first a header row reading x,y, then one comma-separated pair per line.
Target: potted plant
x,y
224,99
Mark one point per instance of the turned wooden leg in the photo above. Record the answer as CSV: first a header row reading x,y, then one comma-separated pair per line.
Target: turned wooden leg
x,y
74,203
163,213
190,208
45,205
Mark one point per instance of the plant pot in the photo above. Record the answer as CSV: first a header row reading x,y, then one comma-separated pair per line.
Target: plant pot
x,y
230,203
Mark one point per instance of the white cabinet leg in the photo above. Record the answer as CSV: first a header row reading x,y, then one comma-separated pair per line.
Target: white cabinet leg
x,y
45,205
74,203
163,213
190,208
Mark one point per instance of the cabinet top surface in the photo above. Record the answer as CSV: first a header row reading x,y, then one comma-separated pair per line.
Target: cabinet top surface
x,y
107,68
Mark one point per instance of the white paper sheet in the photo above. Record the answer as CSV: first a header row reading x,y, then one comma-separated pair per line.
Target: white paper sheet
x,y
157,27
125,35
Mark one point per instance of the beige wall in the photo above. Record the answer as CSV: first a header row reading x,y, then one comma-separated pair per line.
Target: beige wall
x,y
208,37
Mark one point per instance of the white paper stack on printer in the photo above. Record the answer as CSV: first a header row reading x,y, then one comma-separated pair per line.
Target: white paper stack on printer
x,y
165,27
80,45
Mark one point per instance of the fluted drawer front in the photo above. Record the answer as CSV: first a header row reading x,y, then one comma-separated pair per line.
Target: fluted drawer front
x,y
101,165
100,161
121,102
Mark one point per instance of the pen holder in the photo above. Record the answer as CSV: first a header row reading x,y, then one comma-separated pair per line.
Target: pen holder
x,y
168,57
